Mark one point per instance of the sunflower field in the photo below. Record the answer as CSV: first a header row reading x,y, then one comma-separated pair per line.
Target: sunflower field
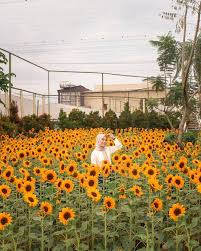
x,y
52,198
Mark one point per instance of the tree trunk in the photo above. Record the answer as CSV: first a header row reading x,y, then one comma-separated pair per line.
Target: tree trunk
x,y
182,124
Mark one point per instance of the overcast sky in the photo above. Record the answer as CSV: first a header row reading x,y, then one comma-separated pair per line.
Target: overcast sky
x,y
84,35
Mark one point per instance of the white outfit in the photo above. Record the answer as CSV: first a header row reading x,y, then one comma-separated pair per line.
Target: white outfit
x,y
97,156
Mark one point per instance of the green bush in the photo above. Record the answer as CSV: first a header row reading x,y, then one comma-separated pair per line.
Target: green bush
x,y
8,127
190,136
171,137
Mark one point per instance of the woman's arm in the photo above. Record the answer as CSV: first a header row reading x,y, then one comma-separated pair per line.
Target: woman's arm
x,y
116,147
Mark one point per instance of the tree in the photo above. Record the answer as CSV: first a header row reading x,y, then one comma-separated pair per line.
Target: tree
x,y
179,58
110,120
125,118
4,78
186,64
93,120
78,117
168,55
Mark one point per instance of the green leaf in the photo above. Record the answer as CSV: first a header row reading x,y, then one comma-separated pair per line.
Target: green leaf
x,y
84,226
194,243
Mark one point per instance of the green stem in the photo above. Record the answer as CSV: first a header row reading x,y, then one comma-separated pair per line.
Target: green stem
x,y
42,234
188,239
147,239
78,240
105,232
177,243
130,229
152,232
92,225
66,240
29,229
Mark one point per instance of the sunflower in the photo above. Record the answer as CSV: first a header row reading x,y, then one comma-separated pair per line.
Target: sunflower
x,y
192,174
109,203
137,190
91,182
58,184
24,171
8,173
178,181
66,215
176,211
45,161
5,219
46,208
62,167
28,187
49,175
136,153
169,180
82,178
94,194
93,171
105,170
37,171
134,172
150,172
115,158
157,205
31,199
26,163
19,185
182,163
71,168
67,185
21,154
5,191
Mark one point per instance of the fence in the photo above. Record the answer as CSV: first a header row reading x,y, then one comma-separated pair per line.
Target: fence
x,y
30,102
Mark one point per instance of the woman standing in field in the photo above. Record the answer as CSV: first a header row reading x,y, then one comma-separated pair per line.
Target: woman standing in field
x,y
103,152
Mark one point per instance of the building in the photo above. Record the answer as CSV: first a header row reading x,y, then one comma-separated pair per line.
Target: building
x,y
71,94
113,96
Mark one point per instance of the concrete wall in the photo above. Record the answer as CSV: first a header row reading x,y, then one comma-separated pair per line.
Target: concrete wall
x,y
28,106
115,100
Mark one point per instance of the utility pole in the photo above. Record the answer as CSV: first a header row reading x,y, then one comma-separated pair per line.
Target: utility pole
x,y
9,103
102,96
48,92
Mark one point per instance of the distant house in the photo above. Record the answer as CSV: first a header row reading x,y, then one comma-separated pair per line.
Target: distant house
x,y
114,96
71,95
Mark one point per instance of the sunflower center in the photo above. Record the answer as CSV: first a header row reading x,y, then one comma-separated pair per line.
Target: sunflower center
x,y
177,211
67,185
150,172
156,205
178,182
8,174
109,203
28,188
71,168
31,199
181,165
93,173
91,183
50,176
4,190
169,180
66,215
4,220
45,209
94,194
134,172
